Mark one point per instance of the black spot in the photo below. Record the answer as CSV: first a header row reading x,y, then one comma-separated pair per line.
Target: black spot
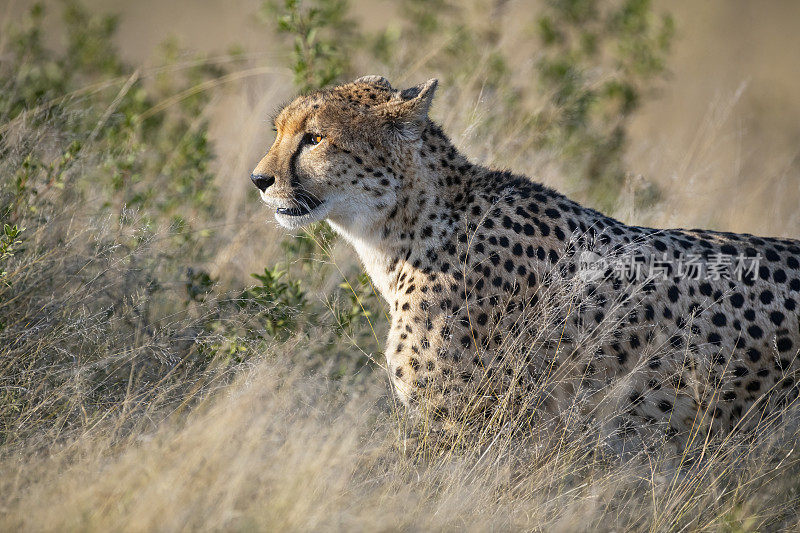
x,y
673,293
552,213
753,386
737,300
719,320
634,340
729,396
784,344
755,331
777,317
544,229
676,341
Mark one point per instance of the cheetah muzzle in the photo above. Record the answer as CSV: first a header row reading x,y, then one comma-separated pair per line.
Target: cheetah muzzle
x,y
490,298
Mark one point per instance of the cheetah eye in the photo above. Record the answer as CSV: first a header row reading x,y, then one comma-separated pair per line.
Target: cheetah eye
x,y
314,138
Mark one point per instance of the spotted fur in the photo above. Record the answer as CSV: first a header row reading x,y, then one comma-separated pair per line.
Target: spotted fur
x,y
481,271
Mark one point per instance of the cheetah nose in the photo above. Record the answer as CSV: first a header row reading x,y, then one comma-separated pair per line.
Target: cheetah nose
x,y
261,181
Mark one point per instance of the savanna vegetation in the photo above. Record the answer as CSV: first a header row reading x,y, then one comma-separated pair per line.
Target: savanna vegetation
x,y
151,378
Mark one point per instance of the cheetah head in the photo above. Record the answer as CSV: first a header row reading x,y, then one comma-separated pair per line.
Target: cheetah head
x,y
340,153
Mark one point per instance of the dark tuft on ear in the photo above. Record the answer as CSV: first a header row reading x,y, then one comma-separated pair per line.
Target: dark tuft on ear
x,y
408,94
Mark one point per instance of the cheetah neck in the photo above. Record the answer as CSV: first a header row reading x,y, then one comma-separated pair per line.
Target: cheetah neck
x,y
375,256
436,183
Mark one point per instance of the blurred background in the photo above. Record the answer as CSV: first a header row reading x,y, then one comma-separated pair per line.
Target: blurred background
x,y
144,288
719,130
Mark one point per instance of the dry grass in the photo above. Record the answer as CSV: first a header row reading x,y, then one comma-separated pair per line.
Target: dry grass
x,y
281,450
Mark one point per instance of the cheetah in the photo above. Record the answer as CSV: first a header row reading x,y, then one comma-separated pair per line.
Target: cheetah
x,y
499,286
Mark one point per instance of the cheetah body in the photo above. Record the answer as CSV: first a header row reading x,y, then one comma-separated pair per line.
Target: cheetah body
x,y
482,272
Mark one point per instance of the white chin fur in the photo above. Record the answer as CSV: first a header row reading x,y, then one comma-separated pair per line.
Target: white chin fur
x,y
290,222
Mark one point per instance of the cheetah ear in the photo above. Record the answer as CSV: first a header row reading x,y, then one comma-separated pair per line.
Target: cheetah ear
x,y
407,111
375,80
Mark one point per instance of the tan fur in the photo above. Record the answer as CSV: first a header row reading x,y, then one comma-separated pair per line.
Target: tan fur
x,y
478,267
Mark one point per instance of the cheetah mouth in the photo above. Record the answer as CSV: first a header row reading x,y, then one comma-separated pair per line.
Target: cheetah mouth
x,y
305,204
305,210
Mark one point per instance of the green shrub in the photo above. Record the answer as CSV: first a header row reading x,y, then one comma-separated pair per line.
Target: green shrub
x,y
108,170
276,302
320,33
600,60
